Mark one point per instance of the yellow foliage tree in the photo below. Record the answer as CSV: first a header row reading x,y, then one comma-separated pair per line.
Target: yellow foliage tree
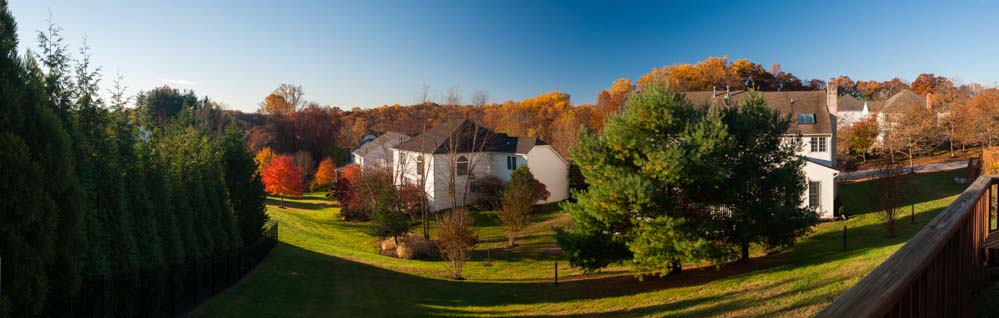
x,y
276,104
263,158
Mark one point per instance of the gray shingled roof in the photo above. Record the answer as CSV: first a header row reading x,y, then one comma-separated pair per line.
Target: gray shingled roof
x,y
848,103
903,100
385,141
469,137
789,103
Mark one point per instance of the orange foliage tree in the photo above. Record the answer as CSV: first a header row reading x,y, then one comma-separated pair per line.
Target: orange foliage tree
x,y
325,175
283,178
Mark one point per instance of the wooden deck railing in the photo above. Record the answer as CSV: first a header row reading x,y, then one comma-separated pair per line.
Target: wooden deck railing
x,y
936,273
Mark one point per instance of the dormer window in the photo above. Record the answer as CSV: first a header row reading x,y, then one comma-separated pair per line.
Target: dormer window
x,y
806,118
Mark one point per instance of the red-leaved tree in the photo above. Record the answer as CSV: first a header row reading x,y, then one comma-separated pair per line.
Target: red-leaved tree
x,y
283,178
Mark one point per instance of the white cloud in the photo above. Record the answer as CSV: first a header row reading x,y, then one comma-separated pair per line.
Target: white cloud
x,y
178,82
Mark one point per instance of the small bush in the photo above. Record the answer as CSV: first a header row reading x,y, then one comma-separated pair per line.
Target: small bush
x,y
489,190
414,246
411,246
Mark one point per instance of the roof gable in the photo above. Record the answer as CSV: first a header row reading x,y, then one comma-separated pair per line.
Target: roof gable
x,y
385,141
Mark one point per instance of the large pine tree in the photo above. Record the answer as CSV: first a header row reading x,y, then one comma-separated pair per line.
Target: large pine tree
x,y
652,176
671,182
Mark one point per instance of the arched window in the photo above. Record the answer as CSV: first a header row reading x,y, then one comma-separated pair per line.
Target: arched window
x,y
462,166
419,166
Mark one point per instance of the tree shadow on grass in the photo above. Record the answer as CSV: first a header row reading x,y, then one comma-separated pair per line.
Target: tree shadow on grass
x,y
301,205
860,197
297,282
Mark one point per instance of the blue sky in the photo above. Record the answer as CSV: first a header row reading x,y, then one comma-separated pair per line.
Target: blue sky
x,y
370,53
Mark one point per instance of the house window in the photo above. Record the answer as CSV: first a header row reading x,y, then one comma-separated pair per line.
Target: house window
x,y
814,194
462,166
419,165
818,144
511,162
806,118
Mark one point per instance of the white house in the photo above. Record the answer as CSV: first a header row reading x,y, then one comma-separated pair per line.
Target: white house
x,y
377,153
852,110
813,118
466,150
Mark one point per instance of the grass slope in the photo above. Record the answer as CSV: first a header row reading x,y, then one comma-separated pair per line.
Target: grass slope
x,y
327,268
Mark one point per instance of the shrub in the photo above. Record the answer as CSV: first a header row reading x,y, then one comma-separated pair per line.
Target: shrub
x,y
455,236
387,220
411,246
489,190
518,197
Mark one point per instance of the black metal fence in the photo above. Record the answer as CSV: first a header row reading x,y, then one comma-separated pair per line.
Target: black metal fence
x,y
164,292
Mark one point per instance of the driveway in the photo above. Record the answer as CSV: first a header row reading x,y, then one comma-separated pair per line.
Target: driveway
x,y
933,167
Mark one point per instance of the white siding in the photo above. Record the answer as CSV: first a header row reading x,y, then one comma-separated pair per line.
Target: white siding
x,y
827,177
823,157
546,165
549,168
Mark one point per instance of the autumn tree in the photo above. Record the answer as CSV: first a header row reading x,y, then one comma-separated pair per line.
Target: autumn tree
x,y
283,178
915,129
275,104
325,175
522,192
263,158
456,237
890,193
862,136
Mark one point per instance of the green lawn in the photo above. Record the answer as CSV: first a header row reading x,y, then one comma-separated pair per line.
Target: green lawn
x,y
327,268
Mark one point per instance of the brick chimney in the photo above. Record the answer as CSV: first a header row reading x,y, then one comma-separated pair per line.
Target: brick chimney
x,y
832,96
929,102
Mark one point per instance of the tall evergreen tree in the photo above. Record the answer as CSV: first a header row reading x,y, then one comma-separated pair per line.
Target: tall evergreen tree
x,y
653,176
246,190
767,181
53,148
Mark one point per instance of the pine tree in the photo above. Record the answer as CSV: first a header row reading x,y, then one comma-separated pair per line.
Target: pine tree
x,y
32,182
55,152
766,188
652,177
245,187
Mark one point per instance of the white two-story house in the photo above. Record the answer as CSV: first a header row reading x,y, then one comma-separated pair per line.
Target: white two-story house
x,y
813,119
465,150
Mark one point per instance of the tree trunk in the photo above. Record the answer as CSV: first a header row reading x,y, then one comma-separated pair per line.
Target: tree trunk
x,y
426,223
509,239
950,141
910,158
282,202
675,267
745,251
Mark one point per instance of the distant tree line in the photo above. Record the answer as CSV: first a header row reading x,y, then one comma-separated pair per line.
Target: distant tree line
x,y
92,189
